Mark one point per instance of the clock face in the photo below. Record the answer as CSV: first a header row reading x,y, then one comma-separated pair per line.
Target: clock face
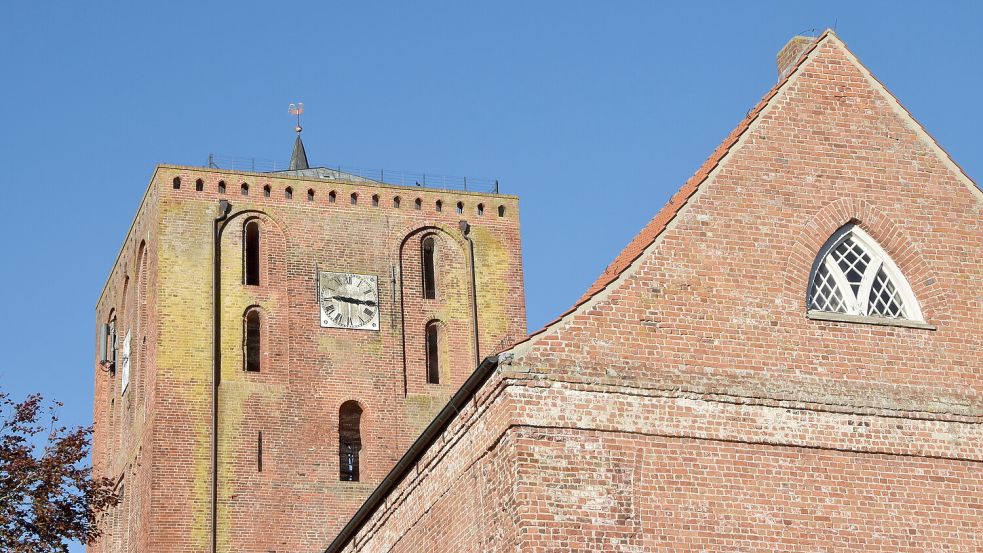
x,y
349,300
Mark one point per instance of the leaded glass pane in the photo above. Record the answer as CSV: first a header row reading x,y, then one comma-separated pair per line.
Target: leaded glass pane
x,y
852,260
884,299
826,295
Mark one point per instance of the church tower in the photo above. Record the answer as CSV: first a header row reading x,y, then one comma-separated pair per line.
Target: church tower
x,y
269,344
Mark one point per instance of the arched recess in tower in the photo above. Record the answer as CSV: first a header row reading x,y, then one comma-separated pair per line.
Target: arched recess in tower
x,y
435,285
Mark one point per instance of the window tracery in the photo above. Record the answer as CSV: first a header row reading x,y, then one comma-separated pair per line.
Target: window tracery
x,y
853,275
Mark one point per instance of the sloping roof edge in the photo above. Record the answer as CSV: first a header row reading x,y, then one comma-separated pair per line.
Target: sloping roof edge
x,y
409,459
919,129
648,235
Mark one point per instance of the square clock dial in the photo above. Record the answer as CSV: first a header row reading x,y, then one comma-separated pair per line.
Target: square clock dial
x,y
348,300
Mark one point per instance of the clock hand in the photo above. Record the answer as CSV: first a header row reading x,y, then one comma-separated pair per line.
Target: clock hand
x,y
346,299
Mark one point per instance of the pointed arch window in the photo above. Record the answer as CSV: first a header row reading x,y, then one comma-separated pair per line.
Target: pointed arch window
x,y
853,275
349,440
253,341
251,253
433,352
429,270
107,344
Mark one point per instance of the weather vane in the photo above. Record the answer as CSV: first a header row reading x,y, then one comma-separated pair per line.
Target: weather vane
x,y
297,109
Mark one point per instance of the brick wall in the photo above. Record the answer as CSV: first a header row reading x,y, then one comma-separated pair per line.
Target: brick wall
x,y
159,434
122,421
688,402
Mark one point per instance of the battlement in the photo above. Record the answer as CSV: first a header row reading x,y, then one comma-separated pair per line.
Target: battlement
x,y
356,174
327,188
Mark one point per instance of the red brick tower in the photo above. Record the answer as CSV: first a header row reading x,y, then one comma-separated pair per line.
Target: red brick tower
x,y
271,343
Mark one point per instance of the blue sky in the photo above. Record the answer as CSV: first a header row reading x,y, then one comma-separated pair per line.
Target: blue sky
x,y
592,112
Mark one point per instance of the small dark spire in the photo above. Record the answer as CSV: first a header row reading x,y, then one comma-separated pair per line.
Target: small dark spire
x,y
298,160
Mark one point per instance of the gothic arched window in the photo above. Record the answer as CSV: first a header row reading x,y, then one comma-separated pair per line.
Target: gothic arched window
x,y
349,440
251,254
429,270
253,341
853,275
433,352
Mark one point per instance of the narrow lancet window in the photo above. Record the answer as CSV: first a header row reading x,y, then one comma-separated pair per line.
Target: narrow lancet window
x,y
251,253
259,451
433,353
349,441
254,339
429,273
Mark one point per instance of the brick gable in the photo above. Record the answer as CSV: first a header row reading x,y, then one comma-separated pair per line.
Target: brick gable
x,y
716,304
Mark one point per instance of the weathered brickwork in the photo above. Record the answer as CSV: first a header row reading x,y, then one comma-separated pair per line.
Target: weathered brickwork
x,y
689,403
278,428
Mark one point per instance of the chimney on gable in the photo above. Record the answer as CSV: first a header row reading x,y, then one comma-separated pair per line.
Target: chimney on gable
x,y
791,53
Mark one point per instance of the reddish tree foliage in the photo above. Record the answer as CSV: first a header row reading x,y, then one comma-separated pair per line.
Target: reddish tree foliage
x,y
47,493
